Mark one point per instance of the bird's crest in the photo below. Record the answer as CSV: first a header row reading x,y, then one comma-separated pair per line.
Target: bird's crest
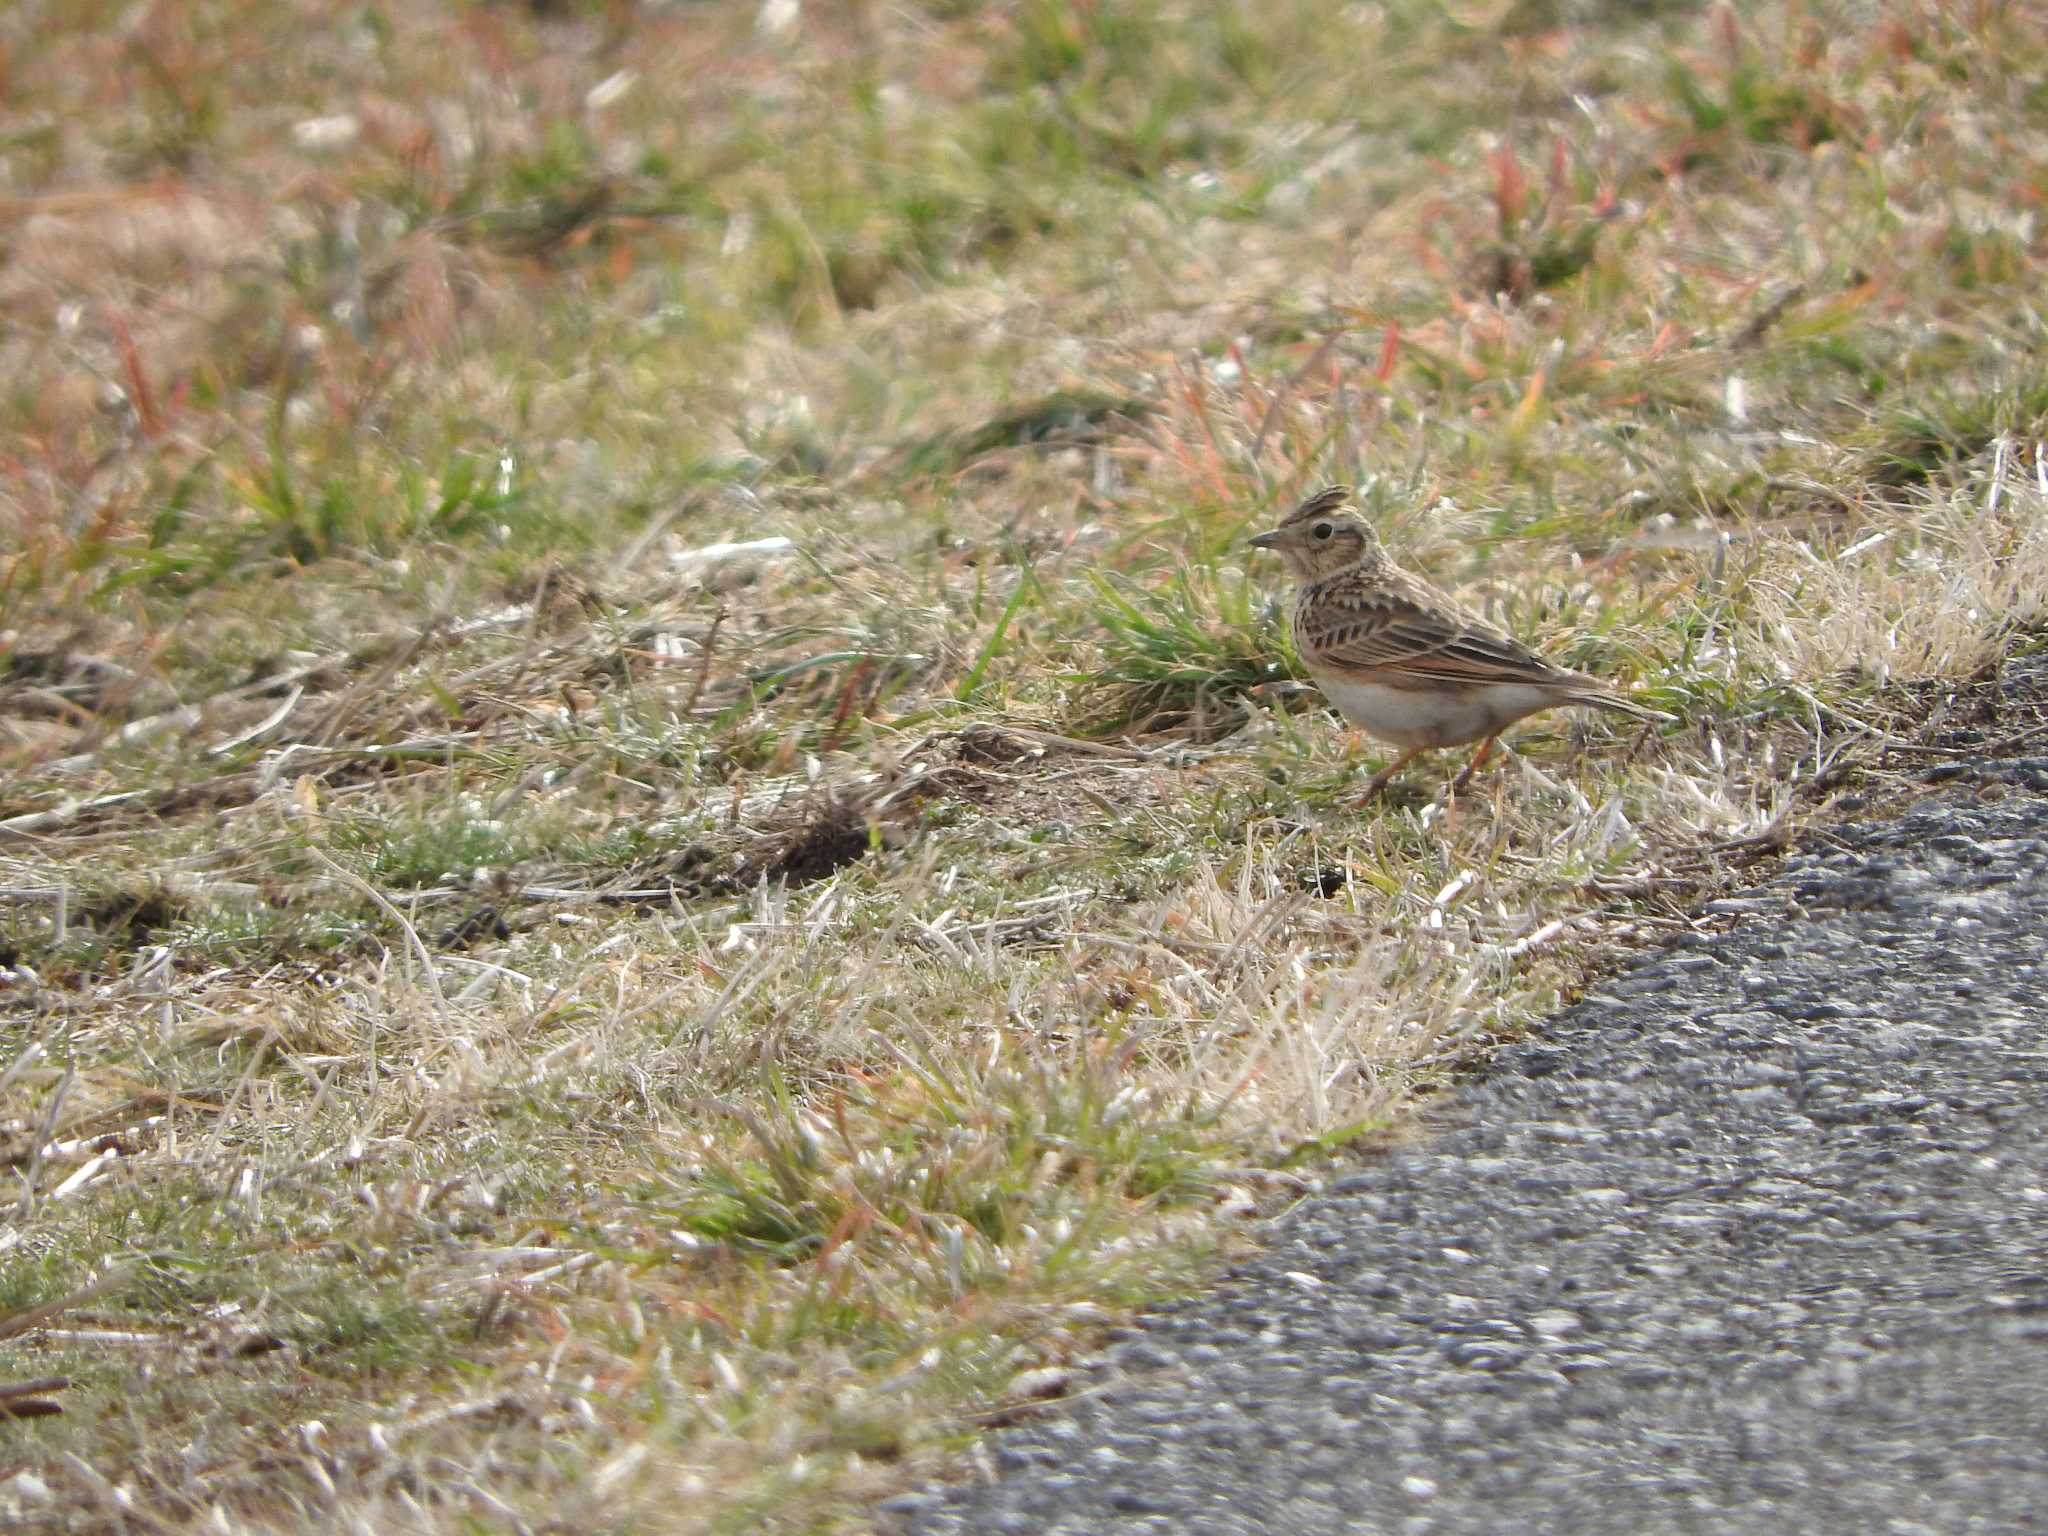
x,y
1331,498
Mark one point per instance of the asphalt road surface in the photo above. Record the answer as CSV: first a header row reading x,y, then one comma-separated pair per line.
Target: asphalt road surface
x,y
1755,1239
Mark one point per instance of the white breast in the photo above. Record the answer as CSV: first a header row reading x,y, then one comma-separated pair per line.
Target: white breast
x,y
1416,717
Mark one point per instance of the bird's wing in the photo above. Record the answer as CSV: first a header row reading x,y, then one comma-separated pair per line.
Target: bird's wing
x,y
1410,630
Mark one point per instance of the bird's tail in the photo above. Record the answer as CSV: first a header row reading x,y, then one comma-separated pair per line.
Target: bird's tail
x,y
1621,704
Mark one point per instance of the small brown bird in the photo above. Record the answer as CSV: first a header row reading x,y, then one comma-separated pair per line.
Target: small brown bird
x,y
1403,660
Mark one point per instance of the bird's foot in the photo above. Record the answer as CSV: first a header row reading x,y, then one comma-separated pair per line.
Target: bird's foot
x,y
1385,777
1465,774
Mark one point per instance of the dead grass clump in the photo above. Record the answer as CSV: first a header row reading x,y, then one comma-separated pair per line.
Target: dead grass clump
x,y
1937,592
828,836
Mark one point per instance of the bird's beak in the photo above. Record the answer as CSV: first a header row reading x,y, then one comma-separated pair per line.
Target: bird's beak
x,y
1264,540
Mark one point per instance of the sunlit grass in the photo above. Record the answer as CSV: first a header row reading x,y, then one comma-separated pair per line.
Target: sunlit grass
x,y
657,842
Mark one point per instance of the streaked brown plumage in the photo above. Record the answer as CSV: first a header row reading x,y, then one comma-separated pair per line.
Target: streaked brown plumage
x,y
1403,660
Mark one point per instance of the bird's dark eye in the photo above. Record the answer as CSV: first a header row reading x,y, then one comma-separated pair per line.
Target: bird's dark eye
x,y
1322,530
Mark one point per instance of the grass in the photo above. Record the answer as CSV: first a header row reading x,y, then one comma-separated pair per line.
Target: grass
x,y
655,835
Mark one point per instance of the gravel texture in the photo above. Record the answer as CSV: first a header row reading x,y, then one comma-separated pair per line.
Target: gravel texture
x,y
1754,1239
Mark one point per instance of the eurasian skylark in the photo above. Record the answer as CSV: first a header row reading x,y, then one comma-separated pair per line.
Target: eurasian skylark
x,y
1402,660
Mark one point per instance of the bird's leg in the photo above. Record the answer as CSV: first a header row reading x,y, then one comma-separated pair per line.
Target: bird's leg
x,y
1465,776
1385,776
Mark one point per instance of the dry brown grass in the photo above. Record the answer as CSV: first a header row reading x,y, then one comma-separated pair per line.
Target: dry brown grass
x,y
536,1013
